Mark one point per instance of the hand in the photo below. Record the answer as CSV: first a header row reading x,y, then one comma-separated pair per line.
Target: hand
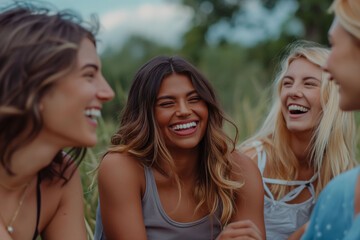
x,y
244,229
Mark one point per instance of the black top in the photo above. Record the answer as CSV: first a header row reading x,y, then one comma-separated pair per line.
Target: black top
x,y
38,200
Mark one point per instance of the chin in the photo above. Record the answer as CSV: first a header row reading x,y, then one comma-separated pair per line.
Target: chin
x,y
348,107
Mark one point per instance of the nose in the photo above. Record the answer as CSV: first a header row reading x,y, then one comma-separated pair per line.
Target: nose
x,y
295,91
326,71
105,92
183,109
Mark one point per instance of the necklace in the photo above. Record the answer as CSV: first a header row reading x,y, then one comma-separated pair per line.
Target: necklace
x,y
10,228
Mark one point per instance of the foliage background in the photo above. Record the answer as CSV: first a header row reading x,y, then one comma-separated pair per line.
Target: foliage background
x,y
241,74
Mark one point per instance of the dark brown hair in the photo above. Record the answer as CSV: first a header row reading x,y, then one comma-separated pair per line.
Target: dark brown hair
x,y
139,134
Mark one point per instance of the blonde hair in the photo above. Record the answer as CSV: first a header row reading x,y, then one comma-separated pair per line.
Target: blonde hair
x,y
348,13
332,144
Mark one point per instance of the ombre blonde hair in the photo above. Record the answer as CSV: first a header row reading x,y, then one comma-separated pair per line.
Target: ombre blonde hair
x,y
139,135
348,14
333,141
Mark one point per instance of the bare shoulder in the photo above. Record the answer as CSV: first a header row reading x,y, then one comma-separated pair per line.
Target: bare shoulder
x,y
250,152
121,184
120,170
250,196
243,164
120,166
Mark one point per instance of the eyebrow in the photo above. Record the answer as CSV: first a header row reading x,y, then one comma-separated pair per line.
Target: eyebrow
x,y
172,97
310,77
91,65
304,79
286,76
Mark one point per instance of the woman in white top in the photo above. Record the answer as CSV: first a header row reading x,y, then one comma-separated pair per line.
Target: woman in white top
x,y
304,142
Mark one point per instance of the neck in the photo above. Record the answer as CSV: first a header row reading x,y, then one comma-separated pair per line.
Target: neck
x,y
186,161
26,162
300,145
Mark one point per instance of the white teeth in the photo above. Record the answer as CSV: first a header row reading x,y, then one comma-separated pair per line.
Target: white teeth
x,y
92,113
298,108
184,126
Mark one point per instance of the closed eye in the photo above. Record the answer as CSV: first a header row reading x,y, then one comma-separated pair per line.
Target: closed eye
x,y
166,104
312,82
195,99
90,75
286,83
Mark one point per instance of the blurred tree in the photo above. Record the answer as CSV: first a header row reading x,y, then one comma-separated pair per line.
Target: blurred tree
x,y
206,14
313,16
309,21
119,67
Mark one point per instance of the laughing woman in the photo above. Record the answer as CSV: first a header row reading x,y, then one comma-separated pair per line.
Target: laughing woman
x,y
171,172
336,214
50,87
304,142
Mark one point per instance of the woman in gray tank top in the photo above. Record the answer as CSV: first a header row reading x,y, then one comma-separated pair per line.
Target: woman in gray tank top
x,y
172,172
304,142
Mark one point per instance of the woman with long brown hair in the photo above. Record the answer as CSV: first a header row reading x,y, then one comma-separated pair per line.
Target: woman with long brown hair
x,y
171,171
51,91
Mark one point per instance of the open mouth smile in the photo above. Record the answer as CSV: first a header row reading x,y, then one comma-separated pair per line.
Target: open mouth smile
x,y
92,114
296,109
185,128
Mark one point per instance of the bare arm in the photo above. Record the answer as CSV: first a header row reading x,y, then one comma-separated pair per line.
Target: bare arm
x,y
68,220
120,182
248,220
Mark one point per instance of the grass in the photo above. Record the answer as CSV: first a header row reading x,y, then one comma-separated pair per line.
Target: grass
x,y
246,116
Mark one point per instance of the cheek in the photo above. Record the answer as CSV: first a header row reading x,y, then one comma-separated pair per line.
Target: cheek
x,y
283,97
162,117
317,102
203,111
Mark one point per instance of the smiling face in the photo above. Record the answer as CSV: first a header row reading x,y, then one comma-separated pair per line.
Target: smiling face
x,y
300,96
343,64
70,107
180,112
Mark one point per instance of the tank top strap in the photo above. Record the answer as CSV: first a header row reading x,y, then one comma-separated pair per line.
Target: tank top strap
x,y
261,162
261,156
290,183
296,191
148,182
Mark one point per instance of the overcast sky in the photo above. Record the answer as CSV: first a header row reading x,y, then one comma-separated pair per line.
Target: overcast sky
x,y
161,20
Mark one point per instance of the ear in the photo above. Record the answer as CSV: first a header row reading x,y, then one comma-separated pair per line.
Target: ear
x,y
41,105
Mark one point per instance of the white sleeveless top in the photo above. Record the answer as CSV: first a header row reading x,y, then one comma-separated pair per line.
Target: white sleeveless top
x,y
283,219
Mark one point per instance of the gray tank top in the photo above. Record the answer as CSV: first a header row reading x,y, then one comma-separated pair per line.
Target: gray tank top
x,y
161,227
281,218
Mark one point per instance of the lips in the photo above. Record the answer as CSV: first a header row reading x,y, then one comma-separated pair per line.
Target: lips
x,y
184,129
297,109
92,112
184,126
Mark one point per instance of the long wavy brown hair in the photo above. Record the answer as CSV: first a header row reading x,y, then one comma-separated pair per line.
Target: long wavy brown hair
x,y
37,49
139,134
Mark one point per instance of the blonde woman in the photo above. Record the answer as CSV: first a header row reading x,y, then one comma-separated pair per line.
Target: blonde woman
x,y
304,142
171,172
336,215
